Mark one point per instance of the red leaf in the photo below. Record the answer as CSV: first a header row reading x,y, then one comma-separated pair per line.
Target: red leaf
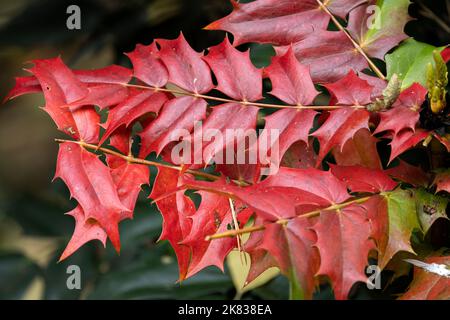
x,y
397,119
381,40
329,55
148,66
291,81
24,85
109,75
405,112
292,248
300,155
360,150
85,230
279,22
412,97
136,105
286,194
291,125
60,87
344,245
112,74
340,127
176,210
405,140
260,259
128,177
236,76
360,179
102,95
350,90
186,67
285,22
91,184
239,118
409,173
446,54
177,114
378,84
213,216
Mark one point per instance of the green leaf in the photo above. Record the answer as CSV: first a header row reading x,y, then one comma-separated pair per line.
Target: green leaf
x,y
402,221
430,208
409,61
239,271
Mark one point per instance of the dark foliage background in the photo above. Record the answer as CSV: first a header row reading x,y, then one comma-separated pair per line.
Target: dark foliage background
x,y
33,230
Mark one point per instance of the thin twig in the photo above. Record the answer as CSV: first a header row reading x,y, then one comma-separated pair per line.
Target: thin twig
x,y
355,44
234,233
246,103
132,159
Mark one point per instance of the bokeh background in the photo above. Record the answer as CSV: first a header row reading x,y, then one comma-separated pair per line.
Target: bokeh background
x,y
33,228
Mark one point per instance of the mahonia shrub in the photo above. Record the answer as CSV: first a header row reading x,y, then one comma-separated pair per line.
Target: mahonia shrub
x,y
333,202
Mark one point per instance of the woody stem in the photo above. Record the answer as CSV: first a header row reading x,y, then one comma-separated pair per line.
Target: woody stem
x,y
284,222
355,44
132,159
247,103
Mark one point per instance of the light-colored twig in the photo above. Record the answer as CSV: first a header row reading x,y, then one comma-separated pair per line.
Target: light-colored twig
x,y
234,233
355,44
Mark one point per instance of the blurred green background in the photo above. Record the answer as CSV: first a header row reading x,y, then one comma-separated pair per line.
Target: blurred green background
x,y
33,228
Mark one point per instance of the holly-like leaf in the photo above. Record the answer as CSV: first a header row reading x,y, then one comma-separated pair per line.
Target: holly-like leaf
x,y
360,150
409,61
379,31
340,126
350,91
240,120
428,285
147,66
393,218
186,68
291,81
292,248
109,75
405,112
136,105
179,114
405,140
329,55
290,126
300,155
85,230
360,179
91,184
344,244
285,22
236,76
408,173
289,192
176,210
213,216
